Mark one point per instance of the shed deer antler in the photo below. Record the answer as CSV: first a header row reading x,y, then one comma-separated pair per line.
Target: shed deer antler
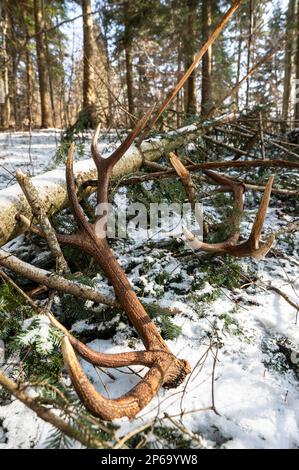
x,y
252,247
164,368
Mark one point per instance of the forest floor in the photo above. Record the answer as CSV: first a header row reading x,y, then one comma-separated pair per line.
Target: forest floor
x,y
240,336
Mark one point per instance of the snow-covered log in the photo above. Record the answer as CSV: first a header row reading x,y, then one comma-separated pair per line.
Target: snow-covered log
x,y
52,185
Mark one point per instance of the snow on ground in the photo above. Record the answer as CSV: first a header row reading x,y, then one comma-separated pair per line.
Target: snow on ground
x,y
256,383
32,153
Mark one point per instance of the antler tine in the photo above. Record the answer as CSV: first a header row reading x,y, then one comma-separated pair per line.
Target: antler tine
x,y
94,145
261,215
127,405
144,358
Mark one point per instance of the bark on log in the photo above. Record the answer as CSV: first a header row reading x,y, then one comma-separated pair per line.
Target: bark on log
x,y
52,185
52,280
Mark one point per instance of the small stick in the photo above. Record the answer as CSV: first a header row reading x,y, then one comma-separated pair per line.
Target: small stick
x,y
128,436
184,430
155,166
284,296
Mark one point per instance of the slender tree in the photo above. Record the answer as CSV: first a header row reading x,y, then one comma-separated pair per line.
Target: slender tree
x,y
42,66
89,99
29,82
249,47
189,50
4,80
206,87
128,55
297,68
288,60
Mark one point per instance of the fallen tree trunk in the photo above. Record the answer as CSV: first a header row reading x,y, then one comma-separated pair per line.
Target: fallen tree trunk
x,y
52,280
52,185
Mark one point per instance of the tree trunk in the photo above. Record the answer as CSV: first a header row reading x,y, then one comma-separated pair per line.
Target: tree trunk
x,y
14,56
249,49
189,52
177,28
297,71
46,120
4,85
142,84
14,89
128,57
288,62
110,113
89,100
179,107
29,82
239,66
48,58
206,93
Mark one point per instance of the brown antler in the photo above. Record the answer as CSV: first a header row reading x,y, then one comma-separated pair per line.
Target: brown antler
x,y
164,368
252,247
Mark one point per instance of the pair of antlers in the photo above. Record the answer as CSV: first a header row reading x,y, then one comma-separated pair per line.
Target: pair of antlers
x,y
165,369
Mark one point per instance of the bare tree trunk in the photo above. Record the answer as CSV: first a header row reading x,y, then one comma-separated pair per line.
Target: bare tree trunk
x,y
29,81
206,93
177,26
189,52
48,58
297,69
89,100
109,119
4,85
142,82
249,49
14,88
129,57
14,57
288,62
239,66
179,107
46,119
129,77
